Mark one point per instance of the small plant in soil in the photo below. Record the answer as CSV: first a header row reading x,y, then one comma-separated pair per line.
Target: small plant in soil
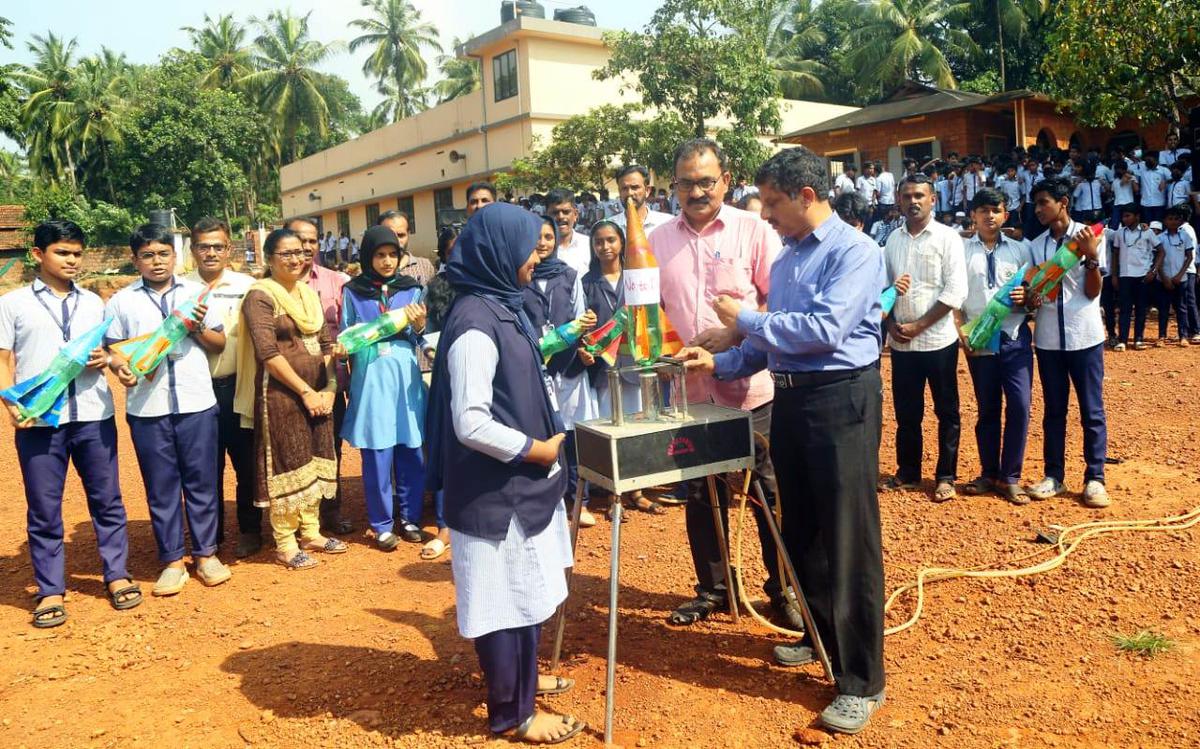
x,y
1145,643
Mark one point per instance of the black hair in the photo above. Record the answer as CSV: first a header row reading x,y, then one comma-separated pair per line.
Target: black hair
x,y
794,169
389,215
1133,208
1058,188
274,238
698,146
594,262
57,230
1182,212
208,224
629,169
989,197
445,240
476,186
916,178
303,219
149,234
852,207
744,201
559,195
849,168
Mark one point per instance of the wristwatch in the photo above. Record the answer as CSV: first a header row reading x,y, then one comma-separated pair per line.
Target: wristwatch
x,y
1091,264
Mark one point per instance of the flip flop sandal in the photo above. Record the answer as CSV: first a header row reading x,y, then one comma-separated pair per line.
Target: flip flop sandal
x,y
561,686
944,492
893,483
522,731
57,616
434,549
650,508
1016,494
696,610
978,486
331,546
134,600
301,561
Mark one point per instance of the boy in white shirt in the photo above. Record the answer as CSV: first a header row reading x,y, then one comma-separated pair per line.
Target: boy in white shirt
x,y
36,322
1010,187
1179,190
1154,180
1125,186
1178,277
1137,257
1002,379
885,183
1069,336
867,185
173,416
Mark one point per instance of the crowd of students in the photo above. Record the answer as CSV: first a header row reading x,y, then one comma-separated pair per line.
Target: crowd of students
x,y
262,379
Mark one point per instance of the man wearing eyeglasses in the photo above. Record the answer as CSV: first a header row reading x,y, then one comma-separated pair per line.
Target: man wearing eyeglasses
x,y
328,285
711,250
211,250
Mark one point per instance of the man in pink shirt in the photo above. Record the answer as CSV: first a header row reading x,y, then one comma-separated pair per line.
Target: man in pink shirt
x,y
328,285
708,250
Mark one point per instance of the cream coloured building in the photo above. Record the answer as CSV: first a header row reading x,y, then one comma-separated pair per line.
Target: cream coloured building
x,y
536,73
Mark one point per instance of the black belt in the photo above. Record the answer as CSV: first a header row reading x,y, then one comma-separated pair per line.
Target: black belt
x,y
226,381
789,380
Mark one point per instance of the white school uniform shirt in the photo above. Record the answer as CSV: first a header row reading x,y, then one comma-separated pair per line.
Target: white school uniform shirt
x,y
1012,190
1167,158
653,220
31,326
1175,248
577,253
968,184
1105,173
1072,322
1136,250
1179,193
1123,191
866,187
843,184
942,188
1087,196
1154,183
934,259
1007,258
181,384
886,184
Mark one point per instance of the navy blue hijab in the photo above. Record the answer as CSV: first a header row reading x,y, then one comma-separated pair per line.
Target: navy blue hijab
x,y
552,266
494,244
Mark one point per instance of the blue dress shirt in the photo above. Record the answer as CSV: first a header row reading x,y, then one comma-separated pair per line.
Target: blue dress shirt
x,y
823,310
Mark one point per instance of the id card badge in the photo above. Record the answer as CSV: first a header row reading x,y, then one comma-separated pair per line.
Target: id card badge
x,y
546,329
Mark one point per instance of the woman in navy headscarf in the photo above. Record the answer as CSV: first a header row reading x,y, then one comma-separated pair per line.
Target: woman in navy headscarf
x,y
495,447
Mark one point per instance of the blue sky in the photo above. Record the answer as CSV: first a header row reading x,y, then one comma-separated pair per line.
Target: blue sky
x,y
144,29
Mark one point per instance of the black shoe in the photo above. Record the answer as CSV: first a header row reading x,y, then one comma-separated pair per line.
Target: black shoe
x,y
696,610
794,655
410,532
248,545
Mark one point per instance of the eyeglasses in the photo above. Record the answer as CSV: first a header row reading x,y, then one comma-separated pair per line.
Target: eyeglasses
x,y
294,255
202,249
151,256
687,185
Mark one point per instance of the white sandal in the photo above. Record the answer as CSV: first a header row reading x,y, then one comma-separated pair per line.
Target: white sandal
x,y
433,549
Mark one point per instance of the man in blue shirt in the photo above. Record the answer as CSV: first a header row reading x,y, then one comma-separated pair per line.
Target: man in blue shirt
x,y
820,338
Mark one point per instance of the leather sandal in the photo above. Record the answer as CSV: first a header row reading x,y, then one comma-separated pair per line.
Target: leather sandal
x,y
561,686
696,610
522,731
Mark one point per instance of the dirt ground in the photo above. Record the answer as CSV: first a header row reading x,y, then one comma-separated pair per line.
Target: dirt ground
x,y
363,651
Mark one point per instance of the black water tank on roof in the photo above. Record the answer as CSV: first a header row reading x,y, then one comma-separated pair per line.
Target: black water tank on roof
x,y
510,9
162,217
580,15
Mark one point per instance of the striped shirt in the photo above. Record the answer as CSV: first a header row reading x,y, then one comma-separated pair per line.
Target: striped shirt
x,y
934,258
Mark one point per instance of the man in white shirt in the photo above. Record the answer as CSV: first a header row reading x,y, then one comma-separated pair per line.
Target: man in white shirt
x,y
922,336
632,183
1003,374
1069,340
172,417
845,181
211,249
1137,257
574,249
1172,151
867,185
885,183
1154,180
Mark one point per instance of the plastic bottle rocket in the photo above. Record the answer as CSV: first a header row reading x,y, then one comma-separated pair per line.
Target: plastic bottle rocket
x,y
43,396
146,352
649,332
561,338
357,337
1048,276
887,299
984,331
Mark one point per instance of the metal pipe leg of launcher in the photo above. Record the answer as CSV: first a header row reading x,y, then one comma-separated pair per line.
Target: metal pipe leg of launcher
x,y
562,608
614,584
723,545
794,580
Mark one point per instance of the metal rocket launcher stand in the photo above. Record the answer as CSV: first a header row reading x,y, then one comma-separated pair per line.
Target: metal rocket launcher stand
x,y
664,443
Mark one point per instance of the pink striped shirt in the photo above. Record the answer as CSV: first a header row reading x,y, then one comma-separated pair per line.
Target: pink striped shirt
x,y
732,256
328,285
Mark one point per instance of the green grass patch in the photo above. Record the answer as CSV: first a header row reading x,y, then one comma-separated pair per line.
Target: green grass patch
x,y
1145,643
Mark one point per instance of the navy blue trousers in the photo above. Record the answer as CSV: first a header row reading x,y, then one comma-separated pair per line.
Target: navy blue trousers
x,y
391,475
1183,299
509,661
44,453
176,454
1135,295
1059,371
1003,382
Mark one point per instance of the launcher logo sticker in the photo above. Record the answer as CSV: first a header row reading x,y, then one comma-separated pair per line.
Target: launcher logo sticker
x,y
680,446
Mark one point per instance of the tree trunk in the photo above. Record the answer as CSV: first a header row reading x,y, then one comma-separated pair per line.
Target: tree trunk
x,y
1175,110
1000,38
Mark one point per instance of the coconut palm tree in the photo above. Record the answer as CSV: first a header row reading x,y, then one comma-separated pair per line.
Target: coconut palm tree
x,y
398,102
791,37
396,36
14,176
98,101
222,41
1011,18
460,75
47,100
900,39
285,83
5,33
